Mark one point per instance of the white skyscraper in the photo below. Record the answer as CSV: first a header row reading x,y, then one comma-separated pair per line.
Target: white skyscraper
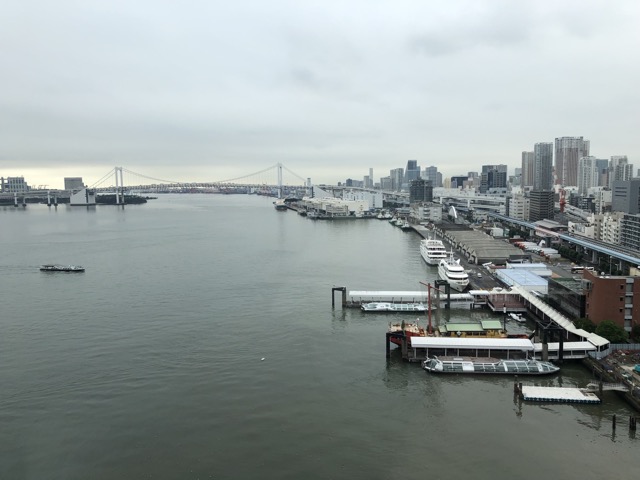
x,y
587,174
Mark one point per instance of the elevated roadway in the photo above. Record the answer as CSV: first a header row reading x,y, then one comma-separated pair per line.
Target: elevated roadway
x,y
628,256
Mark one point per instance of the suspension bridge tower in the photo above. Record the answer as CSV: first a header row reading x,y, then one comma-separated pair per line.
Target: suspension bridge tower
x,y
119,186
279,168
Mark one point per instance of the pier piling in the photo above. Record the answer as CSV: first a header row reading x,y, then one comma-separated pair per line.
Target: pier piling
x,y
388,347
613,424
344,296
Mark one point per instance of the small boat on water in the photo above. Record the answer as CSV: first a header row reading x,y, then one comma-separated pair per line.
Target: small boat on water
x,y
280,205
61,268
406,226
394,307
517,317
488,365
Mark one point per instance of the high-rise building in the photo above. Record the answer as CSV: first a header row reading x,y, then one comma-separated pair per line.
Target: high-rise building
x,y
541,204
602,165
431,174
459,181
372,183
625,196
493,177
587,174
397,177
412,172
518,207
420,190
619,169
630,231
543,166
528,169
569,150
516,179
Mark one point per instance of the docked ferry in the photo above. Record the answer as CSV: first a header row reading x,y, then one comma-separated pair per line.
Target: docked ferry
x,y
394,307
488,365
450,270
432,251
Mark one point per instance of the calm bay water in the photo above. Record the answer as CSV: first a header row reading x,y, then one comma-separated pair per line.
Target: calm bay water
x,y
149,365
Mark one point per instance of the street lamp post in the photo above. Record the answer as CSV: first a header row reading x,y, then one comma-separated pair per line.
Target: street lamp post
x,y
504,317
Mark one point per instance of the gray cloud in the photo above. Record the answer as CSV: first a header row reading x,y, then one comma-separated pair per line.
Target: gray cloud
x,y
213,89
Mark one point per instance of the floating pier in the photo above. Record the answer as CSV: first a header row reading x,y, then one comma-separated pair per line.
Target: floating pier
x,y
558,395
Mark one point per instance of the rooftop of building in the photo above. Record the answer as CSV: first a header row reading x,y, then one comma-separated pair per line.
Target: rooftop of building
x,y
570,283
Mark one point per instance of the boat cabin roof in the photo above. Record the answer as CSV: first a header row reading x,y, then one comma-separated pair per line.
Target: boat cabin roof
x,y
522,344
491,324
461,327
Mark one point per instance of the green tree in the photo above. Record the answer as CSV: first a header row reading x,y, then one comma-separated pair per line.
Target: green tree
x,y
635,332
612,332
585,324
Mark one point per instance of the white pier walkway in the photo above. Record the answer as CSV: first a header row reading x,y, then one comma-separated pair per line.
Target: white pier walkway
x,y
558,394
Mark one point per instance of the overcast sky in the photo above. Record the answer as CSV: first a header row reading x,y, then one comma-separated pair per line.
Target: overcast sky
x,y
212,90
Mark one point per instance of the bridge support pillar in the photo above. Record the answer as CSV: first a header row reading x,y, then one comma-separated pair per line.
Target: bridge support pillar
x,y
119,186
279,166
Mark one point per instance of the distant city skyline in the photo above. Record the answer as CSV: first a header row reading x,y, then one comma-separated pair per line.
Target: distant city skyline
x,y
213,91
526,163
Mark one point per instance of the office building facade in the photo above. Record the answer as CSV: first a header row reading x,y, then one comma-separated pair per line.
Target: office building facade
x,y
625,196
420,190
541,205
543,166
528,164
587,174
569,151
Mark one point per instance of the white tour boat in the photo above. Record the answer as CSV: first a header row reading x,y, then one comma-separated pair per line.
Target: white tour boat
x,y
488,365
394,307
432,251
450,270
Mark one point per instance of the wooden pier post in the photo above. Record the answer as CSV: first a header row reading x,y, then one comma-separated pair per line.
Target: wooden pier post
x,y
344,296
614,422
632,423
